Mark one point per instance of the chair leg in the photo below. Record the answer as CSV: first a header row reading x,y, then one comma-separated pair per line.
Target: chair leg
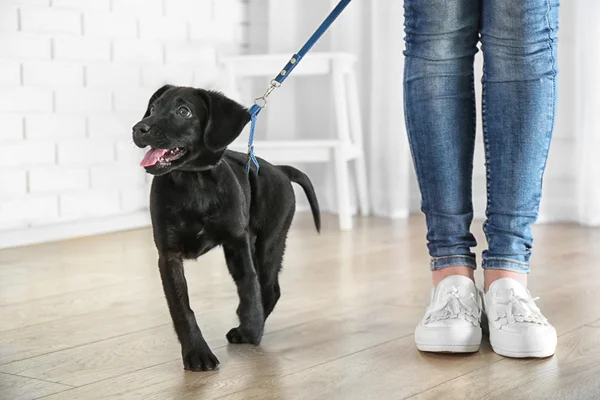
x,y
362,187
360,168
342,173
342,180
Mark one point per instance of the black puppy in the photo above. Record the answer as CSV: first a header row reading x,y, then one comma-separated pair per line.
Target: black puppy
x,y
201,198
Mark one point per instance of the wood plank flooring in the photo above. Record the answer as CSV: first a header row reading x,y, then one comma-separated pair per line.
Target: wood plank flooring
x,y
86,319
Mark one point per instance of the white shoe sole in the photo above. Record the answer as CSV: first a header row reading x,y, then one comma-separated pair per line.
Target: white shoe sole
x,y
524,354
512,345
448,340
449,348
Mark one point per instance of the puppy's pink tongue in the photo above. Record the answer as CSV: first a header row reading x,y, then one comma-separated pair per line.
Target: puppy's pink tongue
x,y
152,157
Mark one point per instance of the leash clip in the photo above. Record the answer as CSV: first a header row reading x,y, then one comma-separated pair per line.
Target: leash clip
x,y
262,100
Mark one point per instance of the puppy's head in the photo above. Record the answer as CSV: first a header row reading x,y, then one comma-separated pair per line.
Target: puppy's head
x,y
187,129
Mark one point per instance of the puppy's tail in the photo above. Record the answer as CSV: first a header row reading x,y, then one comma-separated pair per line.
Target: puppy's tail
x,y
301,179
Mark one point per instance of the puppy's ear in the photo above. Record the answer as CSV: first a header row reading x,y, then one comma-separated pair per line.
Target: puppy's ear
x,y
154,97
226,120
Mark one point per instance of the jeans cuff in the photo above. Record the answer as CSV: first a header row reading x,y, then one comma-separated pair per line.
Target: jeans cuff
x,y
506,264
438,263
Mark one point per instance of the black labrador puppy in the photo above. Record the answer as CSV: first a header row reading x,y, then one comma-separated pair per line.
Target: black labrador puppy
x,y
201,198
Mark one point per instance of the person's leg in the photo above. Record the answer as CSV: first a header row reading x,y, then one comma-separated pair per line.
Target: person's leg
x,y
519,101
441,42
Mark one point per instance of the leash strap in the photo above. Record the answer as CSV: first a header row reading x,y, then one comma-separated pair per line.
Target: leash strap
x,y
296,58
261,102
251,156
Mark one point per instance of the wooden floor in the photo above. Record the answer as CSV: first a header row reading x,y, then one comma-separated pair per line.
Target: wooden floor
x,y
86,319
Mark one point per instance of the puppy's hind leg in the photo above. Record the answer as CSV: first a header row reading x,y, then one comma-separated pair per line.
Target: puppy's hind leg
x,y
269,258
269,250
250,310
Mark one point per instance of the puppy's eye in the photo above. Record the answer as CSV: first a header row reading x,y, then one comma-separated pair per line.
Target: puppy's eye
x,y
152,109
184,112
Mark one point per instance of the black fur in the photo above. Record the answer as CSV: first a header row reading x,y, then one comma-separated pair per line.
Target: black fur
x,y
204,199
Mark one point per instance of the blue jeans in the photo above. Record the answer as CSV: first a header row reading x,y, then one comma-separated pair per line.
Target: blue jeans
x,y
518,40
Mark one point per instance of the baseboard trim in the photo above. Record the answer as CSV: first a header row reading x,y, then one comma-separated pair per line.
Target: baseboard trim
x,y
399,214
69,230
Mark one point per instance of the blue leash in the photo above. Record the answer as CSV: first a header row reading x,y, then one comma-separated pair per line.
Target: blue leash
x,y
261,102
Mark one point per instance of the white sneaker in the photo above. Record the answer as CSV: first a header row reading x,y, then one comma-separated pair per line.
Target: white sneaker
x,y
517,327
452,322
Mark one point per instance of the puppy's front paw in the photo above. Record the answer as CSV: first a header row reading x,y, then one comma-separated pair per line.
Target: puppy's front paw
x,y
241,335
201,359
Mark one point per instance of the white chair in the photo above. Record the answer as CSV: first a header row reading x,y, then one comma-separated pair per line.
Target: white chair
x,y
347,146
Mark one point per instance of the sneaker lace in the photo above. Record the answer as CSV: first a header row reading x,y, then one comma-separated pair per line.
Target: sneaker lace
x,y
466,308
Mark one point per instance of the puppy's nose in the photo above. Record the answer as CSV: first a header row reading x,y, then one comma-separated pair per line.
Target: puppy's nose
x,y
141,127
141,133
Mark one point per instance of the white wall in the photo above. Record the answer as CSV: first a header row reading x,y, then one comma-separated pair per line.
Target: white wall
x,y
75,75
585,109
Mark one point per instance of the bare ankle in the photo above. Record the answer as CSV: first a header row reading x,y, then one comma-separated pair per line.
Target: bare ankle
x,y
438,275
491,275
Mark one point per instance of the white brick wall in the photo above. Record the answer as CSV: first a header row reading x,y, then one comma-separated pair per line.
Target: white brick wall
x,y
27,210
52,73
58,179
75,75
25,99
106,24
8,18
10,73
95,5
52,126
79,48
12,127
19,46
50,20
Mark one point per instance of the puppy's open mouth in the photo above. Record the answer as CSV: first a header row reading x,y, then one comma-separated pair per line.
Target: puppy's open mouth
x,y
162,157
